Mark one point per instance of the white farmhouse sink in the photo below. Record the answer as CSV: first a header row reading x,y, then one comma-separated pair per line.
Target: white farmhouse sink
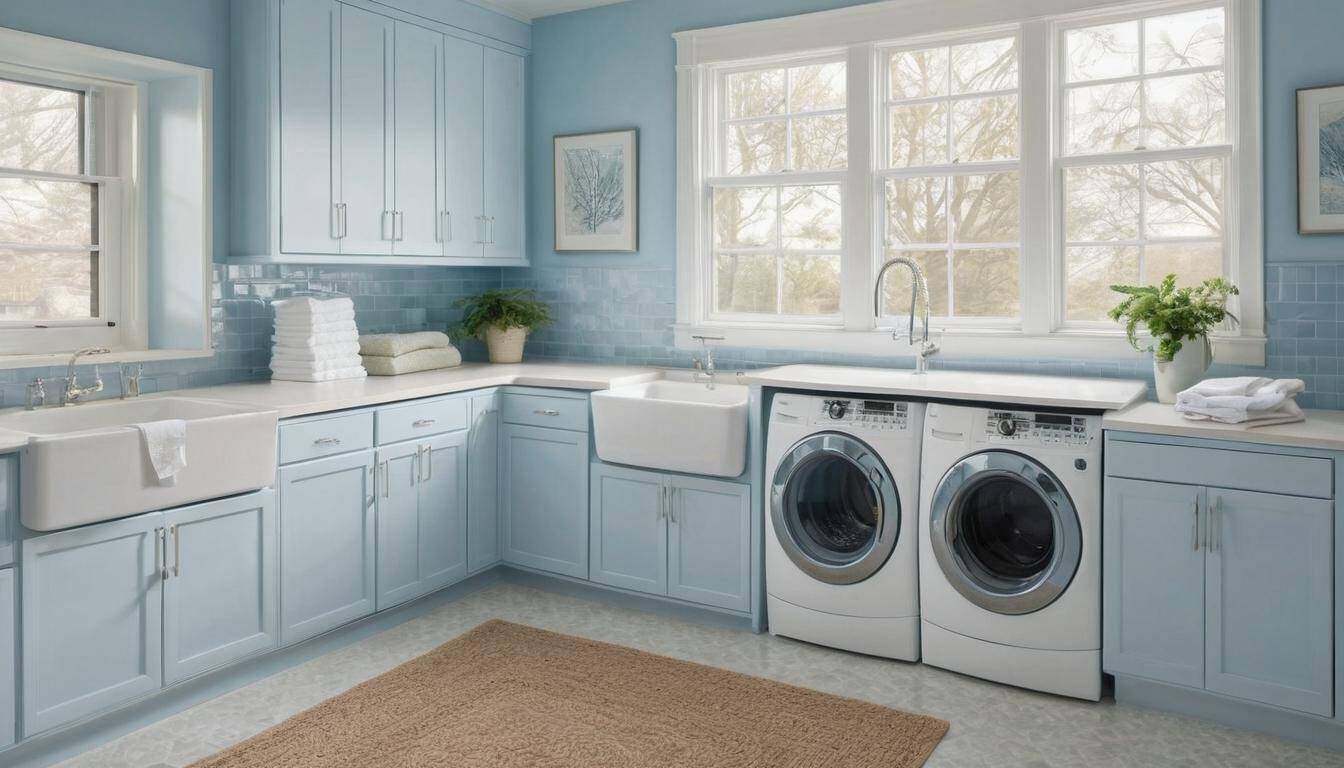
x,y
87,463
674,425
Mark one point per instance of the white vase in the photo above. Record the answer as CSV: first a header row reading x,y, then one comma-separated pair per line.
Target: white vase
x,y
505,344
1182,371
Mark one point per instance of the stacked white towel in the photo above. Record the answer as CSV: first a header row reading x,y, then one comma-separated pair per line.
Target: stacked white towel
x,y
315,340
1252,401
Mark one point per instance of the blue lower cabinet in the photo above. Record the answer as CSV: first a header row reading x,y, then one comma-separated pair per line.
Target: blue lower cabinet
x,y
544,498
422,517
483,483
398,525
9,660
326,544
92,619
628,529
9,506
709,542
219,598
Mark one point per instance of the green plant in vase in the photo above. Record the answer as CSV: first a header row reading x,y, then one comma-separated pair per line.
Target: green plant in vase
x,y
503,318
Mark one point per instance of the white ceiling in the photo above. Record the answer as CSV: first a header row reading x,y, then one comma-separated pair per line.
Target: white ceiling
x,y
527,10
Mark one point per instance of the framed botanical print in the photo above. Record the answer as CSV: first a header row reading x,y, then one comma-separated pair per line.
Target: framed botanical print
x,y
596,191
1320,159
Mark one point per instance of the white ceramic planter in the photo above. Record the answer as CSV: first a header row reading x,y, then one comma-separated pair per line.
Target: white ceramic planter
x,y
505,345
1184,370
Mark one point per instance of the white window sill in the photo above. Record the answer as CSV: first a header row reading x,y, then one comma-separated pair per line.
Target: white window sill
x,y
1011,345
121,356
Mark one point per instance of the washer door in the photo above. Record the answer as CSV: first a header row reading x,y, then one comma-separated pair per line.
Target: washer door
x,y
1004,532
835,510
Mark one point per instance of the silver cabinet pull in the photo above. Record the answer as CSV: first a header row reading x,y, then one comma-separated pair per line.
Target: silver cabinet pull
x,y
177,549
446,222
1216,524
398,225
1194,531
159,556
490,223
382,226
336,221
421,423
344,219
546,412
426,463
385,482
662,502
327,441
373,480
672,505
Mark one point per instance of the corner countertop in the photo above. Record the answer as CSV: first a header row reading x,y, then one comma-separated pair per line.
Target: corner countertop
x,y
1322,429
296,398
1007,388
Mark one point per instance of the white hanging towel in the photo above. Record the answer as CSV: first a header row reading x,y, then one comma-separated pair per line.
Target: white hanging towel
x,y
166,443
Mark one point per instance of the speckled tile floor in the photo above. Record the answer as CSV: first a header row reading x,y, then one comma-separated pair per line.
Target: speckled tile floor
x,y
992,725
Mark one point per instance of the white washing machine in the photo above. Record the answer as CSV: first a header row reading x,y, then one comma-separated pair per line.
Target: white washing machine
x,y
841,542
1010,546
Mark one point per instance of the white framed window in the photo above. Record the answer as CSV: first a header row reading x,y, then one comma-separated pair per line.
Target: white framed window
x,y
1025,163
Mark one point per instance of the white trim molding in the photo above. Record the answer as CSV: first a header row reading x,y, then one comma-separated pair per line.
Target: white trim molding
x,y
861,35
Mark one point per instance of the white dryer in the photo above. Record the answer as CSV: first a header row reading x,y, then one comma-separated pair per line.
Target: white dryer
x,y
841,541
1010,546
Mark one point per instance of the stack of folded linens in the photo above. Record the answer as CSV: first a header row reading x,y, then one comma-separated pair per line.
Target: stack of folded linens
x,y
392,354
315,340
1251,401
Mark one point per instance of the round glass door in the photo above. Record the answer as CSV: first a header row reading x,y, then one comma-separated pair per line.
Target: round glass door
x,y
1004,532
834,507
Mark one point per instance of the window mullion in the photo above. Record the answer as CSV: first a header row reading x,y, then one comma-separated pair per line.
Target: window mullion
x,y
1041,260
858,217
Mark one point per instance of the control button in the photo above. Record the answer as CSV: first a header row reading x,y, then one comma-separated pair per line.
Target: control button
x,y
1007,427
836,409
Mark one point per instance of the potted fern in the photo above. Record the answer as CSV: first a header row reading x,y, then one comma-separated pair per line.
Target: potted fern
x,y
1179,321
503,318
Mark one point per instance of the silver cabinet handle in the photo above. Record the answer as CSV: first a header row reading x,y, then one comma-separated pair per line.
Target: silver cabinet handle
x,y
345,219
446,222
177,549
160,554
382,226
1216,524
662,502
672,505
428,465
398,225
491,222
546,412
327,441
1194,532
336,221
385,482
420,423
373,481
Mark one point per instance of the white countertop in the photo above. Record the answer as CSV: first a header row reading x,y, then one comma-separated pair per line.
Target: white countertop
x,y
1322,429
296,398
1006,388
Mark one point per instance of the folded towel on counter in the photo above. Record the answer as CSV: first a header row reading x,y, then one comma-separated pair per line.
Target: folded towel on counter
x,y
307,306
313,340
1288,413
1233,386
166,443
346,325
1263,400
393,344
298,353
332,375
411,362
313,366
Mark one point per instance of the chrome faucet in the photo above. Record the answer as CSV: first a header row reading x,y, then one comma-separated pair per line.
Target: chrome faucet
x,y
37,394
130,380
706,367
73,392
919,290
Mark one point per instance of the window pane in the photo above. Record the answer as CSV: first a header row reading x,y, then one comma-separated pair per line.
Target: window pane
x,y
744,217
817,87
1184,40
48,286
820,143
1103,118
1192,263
985,129
985,283
755,148
752,94
896,285
811,218
1186,110
985,208
1101,203
42,212
40,128
918,135
918,74
811,285
916,210
1185,198
745,283
1097,53
990,65
1089,273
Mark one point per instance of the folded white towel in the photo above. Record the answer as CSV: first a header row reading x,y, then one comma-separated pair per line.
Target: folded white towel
x,y
393,344
314,340
313,366
166,443
319,352
307,306
1288,413
1266,400
348,324
1236,385
333,375
411,362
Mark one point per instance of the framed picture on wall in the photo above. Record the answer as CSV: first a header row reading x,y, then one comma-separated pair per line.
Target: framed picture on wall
x,y
1320,159
596,191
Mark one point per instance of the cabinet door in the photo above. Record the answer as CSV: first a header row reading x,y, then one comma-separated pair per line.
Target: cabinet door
x,y
464,148
309,56
365,143
544,500
92,619
504,145
628,529
398,524
1269,599
1153,581
219,601
8,658
417,132
709,542
9,506
326,544
483,483
443,511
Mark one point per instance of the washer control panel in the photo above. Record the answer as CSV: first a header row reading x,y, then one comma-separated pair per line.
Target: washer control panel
x,y
1037,428
871,414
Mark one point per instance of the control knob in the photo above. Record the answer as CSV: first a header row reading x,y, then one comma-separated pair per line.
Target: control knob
x,y
836,409
1007,427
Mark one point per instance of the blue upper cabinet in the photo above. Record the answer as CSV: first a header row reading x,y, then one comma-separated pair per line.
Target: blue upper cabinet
x,y
363,138
544,498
